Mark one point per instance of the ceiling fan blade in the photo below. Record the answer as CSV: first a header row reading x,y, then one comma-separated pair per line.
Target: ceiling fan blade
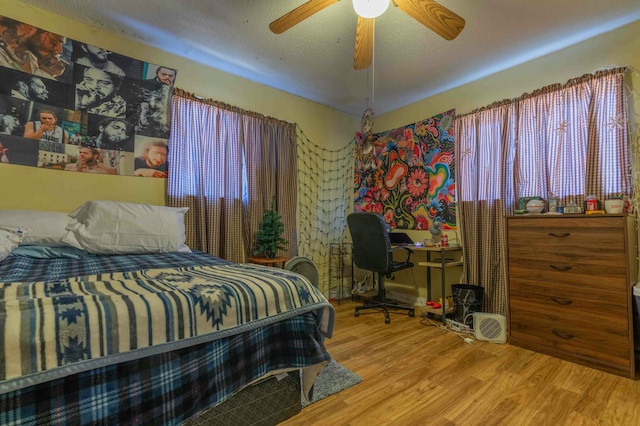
x,y
298,15
364,43
434,16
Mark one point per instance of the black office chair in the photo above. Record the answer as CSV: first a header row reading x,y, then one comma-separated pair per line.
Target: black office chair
x,y
372,251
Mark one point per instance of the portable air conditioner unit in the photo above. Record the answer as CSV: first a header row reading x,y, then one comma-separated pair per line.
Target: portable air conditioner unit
x,y
490,327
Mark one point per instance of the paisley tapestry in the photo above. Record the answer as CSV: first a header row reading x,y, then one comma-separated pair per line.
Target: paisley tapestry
x,y
408,174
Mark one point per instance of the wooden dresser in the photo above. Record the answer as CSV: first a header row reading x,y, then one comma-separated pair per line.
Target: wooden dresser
x,y
570,288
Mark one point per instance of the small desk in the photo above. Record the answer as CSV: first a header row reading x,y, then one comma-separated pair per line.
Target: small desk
x,y
443,264
269,261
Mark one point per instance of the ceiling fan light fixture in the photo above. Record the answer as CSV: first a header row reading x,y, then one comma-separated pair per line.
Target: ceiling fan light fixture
x,y
370,8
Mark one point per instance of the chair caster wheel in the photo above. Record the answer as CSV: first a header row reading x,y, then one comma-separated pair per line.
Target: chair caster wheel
x,y
411,313
356,313
387,320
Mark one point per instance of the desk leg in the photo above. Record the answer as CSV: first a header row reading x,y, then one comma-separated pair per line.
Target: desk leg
x,y
428,277
444,295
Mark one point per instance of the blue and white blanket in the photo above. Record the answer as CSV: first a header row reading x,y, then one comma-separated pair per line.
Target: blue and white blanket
x,y
54,328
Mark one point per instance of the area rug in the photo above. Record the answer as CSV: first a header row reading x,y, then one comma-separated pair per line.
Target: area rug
x,y
332,379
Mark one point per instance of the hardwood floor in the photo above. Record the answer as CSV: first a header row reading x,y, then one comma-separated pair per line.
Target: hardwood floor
x,y
419,374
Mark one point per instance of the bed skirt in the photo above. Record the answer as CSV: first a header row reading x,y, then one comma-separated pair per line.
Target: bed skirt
x,y
266,403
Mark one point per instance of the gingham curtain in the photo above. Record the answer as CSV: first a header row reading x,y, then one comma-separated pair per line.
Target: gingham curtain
x,y
271,166
570,139
226,164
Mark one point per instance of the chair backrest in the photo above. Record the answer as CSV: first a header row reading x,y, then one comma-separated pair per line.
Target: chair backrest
x,y
371,245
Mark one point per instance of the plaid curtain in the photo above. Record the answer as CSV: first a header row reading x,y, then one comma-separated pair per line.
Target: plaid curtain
x,y
226,164
271,167
570,140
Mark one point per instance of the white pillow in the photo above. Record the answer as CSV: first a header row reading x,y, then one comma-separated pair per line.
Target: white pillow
x,y
10,238
113,227
46,228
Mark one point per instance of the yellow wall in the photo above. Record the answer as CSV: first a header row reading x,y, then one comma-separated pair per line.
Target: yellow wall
x,y
29,187
44,189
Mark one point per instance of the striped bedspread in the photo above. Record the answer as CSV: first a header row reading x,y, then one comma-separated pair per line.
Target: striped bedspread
x,y
53,328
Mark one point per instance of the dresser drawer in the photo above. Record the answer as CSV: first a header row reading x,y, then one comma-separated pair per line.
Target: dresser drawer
x,y
568,235
590,312
582,225
563,257
582,339
616,284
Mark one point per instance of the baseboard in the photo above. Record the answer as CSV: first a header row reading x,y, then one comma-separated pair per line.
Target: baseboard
x,y
404,298
334,294
407,299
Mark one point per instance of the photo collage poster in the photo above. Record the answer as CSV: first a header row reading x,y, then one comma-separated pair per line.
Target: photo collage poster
x,y
71,106
408,174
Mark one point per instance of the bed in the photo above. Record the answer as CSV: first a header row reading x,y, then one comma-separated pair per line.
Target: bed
x,y
95,329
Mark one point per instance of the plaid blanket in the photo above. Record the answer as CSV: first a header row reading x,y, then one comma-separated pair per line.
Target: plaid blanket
x,y
50,329
22,268
169,388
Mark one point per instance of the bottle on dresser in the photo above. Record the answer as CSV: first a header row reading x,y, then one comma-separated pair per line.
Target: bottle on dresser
x,y
553,203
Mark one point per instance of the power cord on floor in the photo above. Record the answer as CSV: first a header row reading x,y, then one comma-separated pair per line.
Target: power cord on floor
x,y
422,301
467,336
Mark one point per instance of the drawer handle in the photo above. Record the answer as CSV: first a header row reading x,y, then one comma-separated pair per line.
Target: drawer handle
x,y
562,301
562,235
560,268
563,335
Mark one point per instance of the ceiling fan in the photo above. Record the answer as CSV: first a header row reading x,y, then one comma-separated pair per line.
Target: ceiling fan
x,y
429,13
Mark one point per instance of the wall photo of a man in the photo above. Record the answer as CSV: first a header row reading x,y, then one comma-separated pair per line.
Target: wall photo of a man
x,y
159,74
103,59
87,160
109,133
149,108
13,114
30,87
95,57
51,50
97,92
32,50
44,126
9,124
151,157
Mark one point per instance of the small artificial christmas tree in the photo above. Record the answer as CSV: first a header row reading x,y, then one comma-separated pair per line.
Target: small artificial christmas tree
x,y
269,239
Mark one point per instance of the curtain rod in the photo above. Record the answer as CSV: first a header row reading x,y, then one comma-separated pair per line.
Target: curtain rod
x,y
218,104
551,87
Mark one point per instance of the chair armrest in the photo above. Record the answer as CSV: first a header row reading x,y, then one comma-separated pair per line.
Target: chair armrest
x,y
409,251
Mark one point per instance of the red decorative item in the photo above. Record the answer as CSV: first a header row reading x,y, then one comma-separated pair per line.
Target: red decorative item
x,y
591,203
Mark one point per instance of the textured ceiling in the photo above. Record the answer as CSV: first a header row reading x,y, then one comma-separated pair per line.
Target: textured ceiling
x,y
314,59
